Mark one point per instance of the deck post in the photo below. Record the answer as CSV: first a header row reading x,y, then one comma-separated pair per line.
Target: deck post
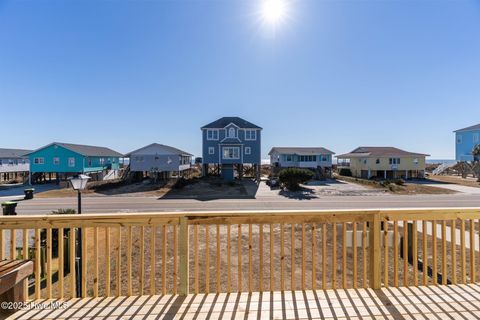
x,y
183,257
375,251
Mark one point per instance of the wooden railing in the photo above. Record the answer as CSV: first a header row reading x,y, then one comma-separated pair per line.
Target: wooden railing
x,y
244,251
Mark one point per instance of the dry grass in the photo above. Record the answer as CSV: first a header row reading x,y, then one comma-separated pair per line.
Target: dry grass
x,y
468,182
411,188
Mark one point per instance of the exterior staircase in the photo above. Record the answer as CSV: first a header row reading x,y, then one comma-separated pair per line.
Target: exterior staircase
x,y
111,175
444,166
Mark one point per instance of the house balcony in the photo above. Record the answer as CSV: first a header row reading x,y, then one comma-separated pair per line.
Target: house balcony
x,y
250,264
343,164
11,167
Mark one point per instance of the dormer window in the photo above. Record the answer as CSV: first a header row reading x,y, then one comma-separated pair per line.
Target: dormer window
x,y
212,134
250,134
231,133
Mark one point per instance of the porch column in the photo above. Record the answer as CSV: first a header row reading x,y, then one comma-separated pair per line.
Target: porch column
x,y
369,173
406,174
385,174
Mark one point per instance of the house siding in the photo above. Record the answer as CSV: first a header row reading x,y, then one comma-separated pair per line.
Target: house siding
x,y
154,162
217,145
464,144
277,157
357,165
157,158
8,165
82,164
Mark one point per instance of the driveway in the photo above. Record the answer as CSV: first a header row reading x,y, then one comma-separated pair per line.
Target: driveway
x,y
16,193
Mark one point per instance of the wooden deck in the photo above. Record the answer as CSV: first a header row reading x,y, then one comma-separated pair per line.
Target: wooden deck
x,y
432,302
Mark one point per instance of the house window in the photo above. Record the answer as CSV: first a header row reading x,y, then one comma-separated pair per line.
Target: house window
x,y
231,152
250,134
377,161
89,162
71,162
39,160
248,150
212,134
56,161
231,133
211,150
307,158
102,161
459,139
324,158
1,162
415,161
475,138
394,161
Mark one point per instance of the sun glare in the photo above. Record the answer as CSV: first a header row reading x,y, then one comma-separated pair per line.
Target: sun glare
x,y
274,11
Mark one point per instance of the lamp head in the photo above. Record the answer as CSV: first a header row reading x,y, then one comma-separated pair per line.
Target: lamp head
x,y
79,182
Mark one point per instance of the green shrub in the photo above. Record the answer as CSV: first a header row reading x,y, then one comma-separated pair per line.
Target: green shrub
x,y
64,211
345,172
292,177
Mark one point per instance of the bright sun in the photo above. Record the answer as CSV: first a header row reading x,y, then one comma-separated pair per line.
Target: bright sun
x,y
273,11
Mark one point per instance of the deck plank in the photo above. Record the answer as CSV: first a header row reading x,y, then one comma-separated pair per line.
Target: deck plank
x,y
457,301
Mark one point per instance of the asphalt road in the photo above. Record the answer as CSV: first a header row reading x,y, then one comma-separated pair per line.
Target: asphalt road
x,y
151,204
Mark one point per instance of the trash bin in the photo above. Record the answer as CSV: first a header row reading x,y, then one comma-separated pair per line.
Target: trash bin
x,y
28,193
9,208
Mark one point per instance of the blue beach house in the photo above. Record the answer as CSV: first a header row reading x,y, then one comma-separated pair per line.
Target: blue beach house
x,y
229,143
63,160
465,140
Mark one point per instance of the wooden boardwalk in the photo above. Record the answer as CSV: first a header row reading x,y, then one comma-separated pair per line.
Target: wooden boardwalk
x,y
432,302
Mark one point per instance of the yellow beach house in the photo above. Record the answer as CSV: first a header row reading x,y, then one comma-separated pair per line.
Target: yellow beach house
x,y
383,163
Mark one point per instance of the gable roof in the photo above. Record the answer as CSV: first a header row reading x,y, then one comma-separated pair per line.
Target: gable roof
x,y
164,147
225,121
475,127
84,150
302,151
366,152
13,153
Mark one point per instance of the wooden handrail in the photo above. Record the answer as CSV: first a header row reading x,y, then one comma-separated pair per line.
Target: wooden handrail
x,y
323,255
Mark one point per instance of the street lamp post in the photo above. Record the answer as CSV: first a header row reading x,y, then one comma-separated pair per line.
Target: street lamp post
x,y
79,183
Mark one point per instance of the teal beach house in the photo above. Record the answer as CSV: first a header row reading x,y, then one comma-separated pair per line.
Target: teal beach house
x,y
63,160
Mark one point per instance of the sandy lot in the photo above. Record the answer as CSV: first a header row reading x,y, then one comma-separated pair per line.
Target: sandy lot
x,y
469,182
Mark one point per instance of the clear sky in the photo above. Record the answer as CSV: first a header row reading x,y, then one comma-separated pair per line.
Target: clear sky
x,y
335,73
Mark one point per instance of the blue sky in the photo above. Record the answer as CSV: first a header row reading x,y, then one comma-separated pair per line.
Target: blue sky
x,y
337,74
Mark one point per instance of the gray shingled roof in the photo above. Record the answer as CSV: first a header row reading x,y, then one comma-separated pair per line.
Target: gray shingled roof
x,y
225,121
87,151
302,151
164,147
475,127
380,152
13,153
